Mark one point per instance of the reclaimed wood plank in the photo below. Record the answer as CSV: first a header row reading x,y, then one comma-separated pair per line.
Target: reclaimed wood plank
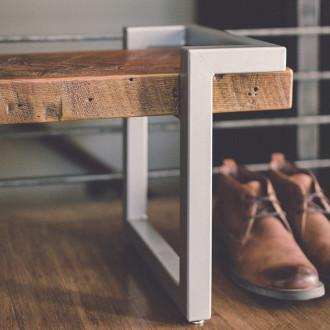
x,y
252,91
120,84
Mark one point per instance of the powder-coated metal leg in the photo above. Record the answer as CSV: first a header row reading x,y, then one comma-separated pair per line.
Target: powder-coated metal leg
x,y
187,276
136,167
195,197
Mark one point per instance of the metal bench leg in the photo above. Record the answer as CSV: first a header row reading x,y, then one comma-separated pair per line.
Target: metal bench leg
x,y
195,206
136,167
187,277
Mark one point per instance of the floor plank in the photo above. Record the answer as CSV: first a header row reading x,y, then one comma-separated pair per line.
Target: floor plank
x,y
69,267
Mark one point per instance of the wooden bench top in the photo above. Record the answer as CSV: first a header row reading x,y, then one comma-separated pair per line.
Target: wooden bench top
x,y
120,83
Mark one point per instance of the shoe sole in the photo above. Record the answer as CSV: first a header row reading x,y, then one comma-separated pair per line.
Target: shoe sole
x,y
293,294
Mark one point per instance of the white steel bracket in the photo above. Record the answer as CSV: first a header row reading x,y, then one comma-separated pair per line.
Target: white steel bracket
x,y
204,53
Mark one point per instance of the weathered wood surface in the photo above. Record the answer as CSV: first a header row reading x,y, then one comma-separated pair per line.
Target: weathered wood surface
x,y
252,91
121,83
68,266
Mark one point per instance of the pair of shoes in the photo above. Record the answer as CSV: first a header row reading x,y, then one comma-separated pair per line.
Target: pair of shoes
x,y
261,242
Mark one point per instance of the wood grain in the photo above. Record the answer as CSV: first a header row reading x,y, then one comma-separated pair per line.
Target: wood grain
x,y
68,266
90,64
252,91
118,84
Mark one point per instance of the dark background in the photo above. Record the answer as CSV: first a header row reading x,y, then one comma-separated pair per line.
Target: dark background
x,y
254,145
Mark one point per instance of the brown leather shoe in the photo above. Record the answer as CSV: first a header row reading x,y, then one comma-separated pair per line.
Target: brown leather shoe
x,y
263,256
307,210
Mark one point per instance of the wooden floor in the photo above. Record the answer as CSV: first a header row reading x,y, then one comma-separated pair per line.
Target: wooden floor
x,y
68,267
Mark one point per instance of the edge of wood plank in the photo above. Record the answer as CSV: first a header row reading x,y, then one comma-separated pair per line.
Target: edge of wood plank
x,y
122,96
252,91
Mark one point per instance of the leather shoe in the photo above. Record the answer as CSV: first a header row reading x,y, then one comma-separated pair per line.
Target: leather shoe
x,y
263,256
307,210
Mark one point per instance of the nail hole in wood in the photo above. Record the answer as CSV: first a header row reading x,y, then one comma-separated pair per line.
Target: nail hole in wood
x,y
256,89
90,99
131,79
20,105
249,94
175,93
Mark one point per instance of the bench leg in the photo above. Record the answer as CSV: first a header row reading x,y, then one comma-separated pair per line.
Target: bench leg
x,y
136,167
187,278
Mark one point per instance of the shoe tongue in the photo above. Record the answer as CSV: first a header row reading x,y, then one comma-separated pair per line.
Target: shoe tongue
x,y
304,180
255,186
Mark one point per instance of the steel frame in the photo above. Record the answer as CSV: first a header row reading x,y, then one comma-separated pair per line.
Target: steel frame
x,y
205,52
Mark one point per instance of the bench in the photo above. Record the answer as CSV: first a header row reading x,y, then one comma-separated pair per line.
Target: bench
x,y
199,72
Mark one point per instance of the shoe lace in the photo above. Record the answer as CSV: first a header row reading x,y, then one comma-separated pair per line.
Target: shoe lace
x,y
263,207
315,203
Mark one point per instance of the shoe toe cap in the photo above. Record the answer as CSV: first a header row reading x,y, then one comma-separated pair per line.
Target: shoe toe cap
x,y
294,277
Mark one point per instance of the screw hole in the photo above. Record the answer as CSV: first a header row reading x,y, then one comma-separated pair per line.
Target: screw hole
x,y
218,76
